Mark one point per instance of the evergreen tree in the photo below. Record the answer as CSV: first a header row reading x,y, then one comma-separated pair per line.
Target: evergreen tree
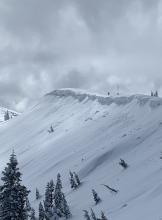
x,y
66,210
103,217
28,206
32,216
72,181
93,215
48,202
96,197
6,116
156,94
60,201
123,164
77,179
13,195
152,94
41,212
86,215
52,189
37,194
58,194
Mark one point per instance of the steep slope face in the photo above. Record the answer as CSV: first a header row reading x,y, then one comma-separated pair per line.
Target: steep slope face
x,y
91,134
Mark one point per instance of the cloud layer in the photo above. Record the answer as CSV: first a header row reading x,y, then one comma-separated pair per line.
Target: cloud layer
x,y
87,44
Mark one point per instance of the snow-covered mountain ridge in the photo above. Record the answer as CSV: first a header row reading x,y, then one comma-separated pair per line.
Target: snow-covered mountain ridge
x,y
91,134
107,100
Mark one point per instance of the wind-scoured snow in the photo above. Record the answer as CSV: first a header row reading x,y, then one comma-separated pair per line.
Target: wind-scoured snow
x,y
91,134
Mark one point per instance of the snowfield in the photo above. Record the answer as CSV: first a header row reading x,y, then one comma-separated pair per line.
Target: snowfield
x,y
91,134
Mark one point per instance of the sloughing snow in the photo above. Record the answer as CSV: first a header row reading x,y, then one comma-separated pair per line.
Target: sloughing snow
x,y
91,134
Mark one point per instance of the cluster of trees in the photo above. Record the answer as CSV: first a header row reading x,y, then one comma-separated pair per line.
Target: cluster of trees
x,y
74,180
15,205
14,202
55,205
92,215
154,93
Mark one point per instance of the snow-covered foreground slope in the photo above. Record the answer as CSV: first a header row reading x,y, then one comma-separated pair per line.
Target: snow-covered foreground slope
x,y
91,134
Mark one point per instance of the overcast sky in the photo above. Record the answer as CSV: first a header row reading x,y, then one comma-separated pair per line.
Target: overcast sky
x,y
87,44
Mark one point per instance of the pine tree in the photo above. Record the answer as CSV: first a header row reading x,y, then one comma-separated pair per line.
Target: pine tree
x,y
28,206
93,215
96,197
123,164
6,116
103,217
156,94
60,201
37,194
58,194
72,181
152,94
13,195
48,202
41,212
86,215
32,216
77,179
52,189
66,210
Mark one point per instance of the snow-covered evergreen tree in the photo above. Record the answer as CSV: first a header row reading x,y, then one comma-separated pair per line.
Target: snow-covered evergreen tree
x,y
6,116
96,198
103,217
60,200
32,215
58,194
37,194
41,212
156,94
48,202
28,206
86,215
66,210
93,215
72,181
13,195
52,189
77,179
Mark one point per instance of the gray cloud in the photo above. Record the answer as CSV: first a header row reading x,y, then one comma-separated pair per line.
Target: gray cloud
x,y
87,44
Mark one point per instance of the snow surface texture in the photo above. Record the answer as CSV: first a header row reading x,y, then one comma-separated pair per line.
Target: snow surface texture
x,y
91,134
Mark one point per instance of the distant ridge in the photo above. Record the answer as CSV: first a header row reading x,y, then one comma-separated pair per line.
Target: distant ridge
x,y
81,95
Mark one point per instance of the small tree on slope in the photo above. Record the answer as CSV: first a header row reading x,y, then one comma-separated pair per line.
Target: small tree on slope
x,y
60,201
6,116
13,195
93,215
77,179
86,215
49,200
32,215
96,197
72,181
103,217
37,194
41,212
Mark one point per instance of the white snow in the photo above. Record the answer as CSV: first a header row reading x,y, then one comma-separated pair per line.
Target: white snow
x,y
91,134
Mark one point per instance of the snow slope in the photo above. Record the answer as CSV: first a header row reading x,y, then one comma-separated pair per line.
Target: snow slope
x,y
91,134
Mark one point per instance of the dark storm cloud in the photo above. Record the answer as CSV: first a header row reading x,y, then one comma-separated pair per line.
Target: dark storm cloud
x,y
89,44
